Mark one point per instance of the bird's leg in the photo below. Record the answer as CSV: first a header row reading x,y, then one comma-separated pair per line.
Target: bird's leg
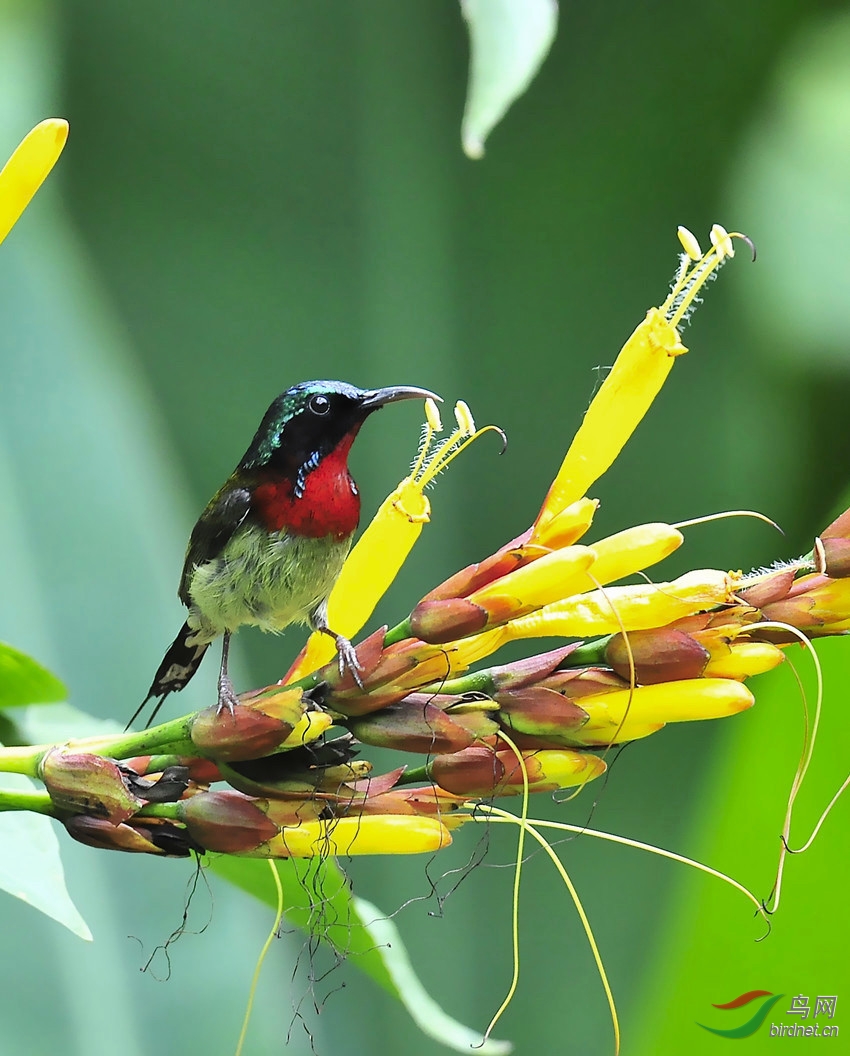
x,y
345,650
226,694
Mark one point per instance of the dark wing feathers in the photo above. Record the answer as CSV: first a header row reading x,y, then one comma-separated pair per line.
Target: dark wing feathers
x,y
226,510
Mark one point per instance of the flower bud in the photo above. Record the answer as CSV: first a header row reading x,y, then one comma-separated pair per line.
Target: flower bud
x,y
579,682
772,587
232,823
480,772
256,726
839,529
151,836
425,723
661,655
88,784
832,557
403,667
527,671
632,608
428,799
539,712
226,821
439,622
816,605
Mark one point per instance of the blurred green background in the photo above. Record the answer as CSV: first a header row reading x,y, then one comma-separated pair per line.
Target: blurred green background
x,y
262,193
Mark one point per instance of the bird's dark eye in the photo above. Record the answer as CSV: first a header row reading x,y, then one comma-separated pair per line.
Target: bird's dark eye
x,y
319,404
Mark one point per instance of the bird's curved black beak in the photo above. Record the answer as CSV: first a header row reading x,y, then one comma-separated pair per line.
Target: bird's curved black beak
x,y
374,398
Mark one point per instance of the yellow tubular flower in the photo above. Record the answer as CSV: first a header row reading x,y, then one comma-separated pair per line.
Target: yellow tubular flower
x,y
630,608
624,398
631,550
635,380
550,577
626,715
372,834
744,659
27,169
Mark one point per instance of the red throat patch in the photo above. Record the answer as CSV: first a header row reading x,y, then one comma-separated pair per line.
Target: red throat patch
x,y
329,504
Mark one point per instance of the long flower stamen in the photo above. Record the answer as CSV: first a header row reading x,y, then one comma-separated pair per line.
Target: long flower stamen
x,y
694,273
431,463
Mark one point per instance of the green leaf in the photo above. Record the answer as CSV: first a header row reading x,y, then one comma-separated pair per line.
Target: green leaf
x,y
423,1009
30,866
318,899
709,953
24,681
509,39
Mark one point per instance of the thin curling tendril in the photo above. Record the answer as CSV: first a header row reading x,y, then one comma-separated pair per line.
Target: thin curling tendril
x,y
517,875
262,957
496,814
809,739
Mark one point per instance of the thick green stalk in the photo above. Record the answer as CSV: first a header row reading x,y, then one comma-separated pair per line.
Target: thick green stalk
x,y
416,773
159,810
588,655
398,633
12,799
22,759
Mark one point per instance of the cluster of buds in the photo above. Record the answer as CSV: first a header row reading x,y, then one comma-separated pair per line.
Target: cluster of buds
x,y
273,779
280,775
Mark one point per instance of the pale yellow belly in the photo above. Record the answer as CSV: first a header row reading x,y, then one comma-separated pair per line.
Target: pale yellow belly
x,y
269,581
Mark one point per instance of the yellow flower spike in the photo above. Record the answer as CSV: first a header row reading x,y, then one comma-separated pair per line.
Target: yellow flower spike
x,y
631,550
745,659
635,380
383,547
27,169
627,715
371,834
547,579
627,608
624,398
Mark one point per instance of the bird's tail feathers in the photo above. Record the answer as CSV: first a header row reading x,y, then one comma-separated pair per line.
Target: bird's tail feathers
x,y
179,664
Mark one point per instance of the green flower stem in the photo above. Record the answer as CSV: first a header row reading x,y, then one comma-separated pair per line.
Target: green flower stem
x,y
23,759
171,811
158,763
398,633
475,682
588,655
415,774
12,799
169,738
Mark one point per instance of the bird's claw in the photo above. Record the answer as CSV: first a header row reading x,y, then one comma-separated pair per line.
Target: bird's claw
x,y
227,698
348,659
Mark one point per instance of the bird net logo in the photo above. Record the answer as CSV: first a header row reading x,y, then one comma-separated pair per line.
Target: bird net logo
x,y
806,1017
